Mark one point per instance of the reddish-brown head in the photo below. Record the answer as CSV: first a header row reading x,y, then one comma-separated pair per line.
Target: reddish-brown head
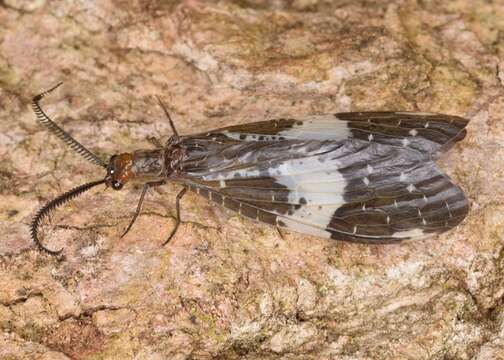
x,y
119,170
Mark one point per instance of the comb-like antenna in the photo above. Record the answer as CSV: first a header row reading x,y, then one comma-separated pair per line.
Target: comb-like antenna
x,y
167,115
52,205
62,134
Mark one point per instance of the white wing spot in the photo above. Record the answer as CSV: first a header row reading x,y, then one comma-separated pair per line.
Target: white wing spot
x,y
370,137
426,199
355,229
369,169
395,204
426,125
424,222
399,122
388,219
419,213
448,207
402,177
326,190
366,181
405,142
411,188
413,132
364,206
222,183
319,127
413,233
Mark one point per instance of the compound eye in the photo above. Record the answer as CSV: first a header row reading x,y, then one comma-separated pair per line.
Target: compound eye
x,y
116,185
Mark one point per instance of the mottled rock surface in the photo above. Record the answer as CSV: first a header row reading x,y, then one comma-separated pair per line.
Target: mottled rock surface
x,y
225,287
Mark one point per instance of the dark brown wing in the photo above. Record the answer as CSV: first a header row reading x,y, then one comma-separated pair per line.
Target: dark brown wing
x,y
425,132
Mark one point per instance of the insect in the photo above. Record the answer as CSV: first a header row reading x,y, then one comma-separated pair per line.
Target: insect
x,y
366,177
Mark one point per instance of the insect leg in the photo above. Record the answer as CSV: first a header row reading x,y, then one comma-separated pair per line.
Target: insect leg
x,y
172,125
155,142
139,206
280,233
177,220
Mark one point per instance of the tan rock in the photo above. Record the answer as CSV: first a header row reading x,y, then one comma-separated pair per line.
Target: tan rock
x,y
225,287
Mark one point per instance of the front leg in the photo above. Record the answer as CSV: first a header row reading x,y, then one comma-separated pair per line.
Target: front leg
x,y
139,206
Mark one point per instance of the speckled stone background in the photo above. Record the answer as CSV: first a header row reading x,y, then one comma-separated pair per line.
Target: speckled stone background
x,y
225,287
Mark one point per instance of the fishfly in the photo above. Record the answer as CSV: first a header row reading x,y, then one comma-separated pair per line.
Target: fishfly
x,y
366,177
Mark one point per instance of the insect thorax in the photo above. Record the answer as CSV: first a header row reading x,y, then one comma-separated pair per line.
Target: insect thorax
x,y
149,164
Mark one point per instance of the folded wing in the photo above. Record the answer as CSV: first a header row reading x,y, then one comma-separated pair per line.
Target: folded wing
x,y
425,132
341,185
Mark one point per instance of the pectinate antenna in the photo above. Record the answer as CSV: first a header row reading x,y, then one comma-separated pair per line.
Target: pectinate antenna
x,y
52,205
62,134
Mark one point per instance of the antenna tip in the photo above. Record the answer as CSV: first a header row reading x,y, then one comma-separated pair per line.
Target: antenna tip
x,y
34,235
38,97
